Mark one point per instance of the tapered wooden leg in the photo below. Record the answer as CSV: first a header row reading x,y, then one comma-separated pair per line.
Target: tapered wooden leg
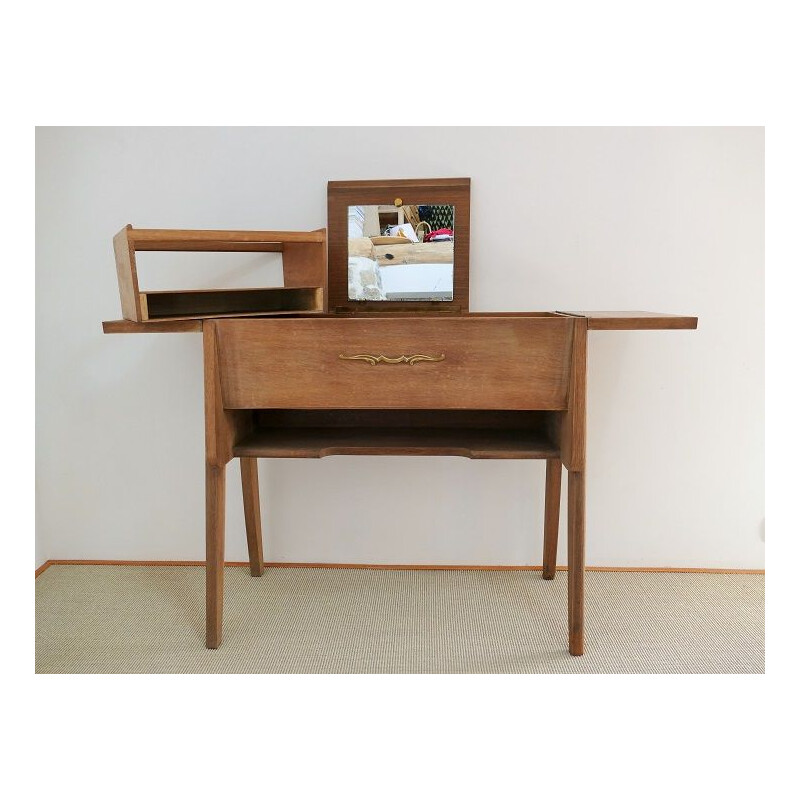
x,y
552,505
215,552
576,524
252,515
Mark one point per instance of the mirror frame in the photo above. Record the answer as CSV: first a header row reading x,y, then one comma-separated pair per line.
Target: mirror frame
x,y
439,191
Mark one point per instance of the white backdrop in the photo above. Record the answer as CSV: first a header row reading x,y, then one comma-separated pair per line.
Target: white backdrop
x,y
661,219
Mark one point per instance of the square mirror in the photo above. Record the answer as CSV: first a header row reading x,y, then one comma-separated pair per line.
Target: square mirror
x,y
398,245
402,253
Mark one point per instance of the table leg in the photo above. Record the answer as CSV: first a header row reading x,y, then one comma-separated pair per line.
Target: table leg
x,y
552,505
215,552
252,514
576,490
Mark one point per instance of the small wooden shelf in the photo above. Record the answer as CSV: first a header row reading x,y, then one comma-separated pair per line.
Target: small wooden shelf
x,y
305,275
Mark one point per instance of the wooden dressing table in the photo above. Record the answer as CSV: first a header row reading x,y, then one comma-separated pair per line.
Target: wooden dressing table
x,y
477,385
286,378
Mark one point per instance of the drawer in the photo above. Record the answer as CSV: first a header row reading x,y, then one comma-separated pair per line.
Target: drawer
x,y
513,363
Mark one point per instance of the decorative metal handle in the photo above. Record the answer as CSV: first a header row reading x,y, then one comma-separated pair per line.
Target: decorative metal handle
x,y
375,360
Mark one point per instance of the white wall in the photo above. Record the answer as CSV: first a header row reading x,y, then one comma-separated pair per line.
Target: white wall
x,y
663,219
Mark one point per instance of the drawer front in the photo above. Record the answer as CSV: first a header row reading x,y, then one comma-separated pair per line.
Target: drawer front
x,y
471,363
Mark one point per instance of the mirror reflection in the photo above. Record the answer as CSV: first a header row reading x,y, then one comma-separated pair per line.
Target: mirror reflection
x,y
400,252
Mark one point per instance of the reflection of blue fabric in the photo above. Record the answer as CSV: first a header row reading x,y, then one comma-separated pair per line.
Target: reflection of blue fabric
x,y
437,216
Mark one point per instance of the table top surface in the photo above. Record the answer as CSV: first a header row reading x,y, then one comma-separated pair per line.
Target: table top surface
x,y
597,320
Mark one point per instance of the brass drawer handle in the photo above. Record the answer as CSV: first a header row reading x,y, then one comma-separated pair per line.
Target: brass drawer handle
x,y
375,360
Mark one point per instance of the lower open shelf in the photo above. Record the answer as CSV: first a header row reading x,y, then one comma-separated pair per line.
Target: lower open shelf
x,y
476,434
273,301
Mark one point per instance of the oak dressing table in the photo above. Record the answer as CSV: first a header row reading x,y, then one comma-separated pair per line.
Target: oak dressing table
x,y
427,378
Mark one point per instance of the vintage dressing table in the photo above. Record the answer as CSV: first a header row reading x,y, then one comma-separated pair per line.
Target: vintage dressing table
x,y
356,372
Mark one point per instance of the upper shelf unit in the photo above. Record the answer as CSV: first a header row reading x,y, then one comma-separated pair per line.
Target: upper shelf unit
x,y
304,255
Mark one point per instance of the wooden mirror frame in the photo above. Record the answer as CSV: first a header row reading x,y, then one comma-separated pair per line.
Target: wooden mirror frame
x,y
439,191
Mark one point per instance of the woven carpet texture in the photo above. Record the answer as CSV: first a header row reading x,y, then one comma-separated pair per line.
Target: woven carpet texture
x,y
138,619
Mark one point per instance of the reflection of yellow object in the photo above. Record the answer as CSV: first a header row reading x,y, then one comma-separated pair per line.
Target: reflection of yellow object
x,y
411,215
389,240
398,202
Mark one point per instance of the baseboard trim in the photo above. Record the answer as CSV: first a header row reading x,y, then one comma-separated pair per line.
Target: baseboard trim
x,y
320,565
42,568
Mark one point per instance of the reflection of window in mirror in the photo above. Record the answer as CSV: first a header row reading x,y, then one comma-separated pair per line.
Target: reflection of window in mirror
x,y
400,252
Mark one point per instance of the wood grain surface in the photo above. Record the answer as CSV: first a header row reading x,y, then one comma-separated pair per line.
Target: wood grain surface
x,y
634,320
467,442
490,363
552,510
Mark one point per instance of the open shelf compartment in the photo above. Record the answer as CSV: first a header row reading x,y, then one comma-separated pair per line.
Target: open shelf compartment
x,y
230,302
304,256
471,434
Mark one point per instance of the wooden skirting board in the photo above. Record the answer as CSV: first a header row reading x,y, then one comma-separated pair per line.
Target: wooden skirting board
x,y
495,567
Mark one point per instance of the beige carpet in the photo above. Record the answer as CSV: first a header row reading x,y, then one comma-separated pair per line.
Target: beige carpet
x,y
112,619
